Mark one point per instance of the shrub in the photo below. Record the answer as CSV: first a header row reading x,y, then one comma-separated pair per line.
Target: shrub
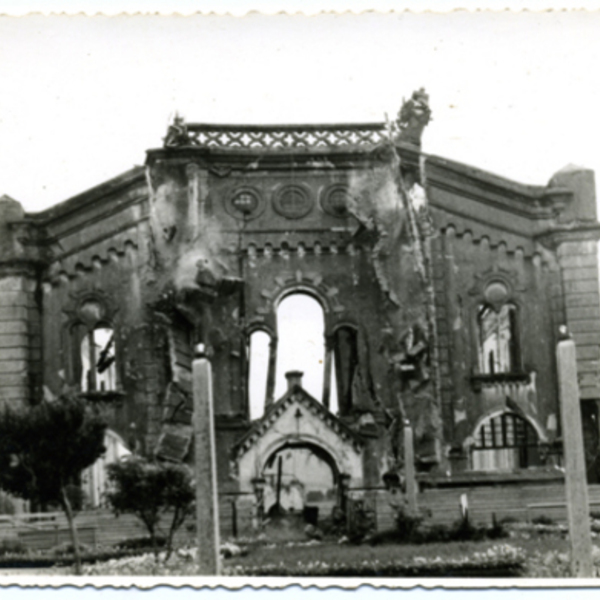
x,y
149,490
542,520
407,526
45,447
12,546
361,521
66,548
412,530
141,543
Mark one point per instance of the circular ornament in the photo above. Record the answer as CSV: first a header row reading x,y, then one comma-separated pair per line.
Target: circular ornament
x,y
245,203
293,201
335,200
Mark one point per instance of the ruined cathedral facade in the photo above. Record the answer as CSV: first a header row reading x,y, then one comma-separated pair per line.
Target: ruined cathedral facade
x,y
442,289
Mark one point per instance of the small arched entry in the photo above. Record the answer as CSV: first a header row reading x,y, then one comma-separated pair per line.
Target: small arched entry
x,y
299,475
318,454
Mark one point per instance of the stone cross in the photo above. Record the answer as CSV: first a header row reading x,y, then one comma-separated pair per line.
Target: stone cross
x,y
207,506
575,476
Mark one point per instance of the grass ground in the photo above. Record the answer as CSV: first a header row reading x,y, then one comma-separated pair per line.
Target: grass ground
x,y
285,556
332,552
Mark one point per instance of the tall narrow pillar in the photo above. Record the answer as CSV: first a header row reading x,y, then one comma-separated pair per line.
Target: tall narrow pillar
x,y
327,372
409,470
272,369
20,327
207,506
576,484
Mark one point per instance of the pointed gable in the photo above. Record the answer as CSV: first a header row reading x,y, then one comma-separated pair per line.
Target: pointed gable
x,y
298,419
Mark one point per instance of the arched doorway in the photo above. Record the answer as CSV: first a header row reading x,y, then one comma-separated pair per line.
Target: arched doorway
x,y
300,477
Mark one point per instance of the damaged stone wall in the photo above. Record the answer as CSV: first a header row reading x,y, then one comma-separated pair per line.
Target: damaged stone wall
x,y
235,232
390,204
401,252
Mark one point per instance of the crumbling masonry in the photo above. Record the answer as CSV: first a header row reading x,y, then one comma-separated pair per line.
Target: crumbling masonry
x,y
442,288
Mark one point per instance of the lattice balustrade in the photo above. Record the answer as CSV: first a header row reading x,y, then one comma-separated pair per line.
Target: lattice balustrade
x,y
284,136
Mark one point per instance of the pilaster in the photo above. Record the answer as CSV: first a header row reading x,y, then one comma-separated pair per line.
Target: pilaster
x,y
20,325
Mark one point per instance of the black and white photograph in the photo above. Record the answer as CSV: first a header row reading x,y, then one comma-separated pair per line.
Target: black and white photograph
x,y
291,298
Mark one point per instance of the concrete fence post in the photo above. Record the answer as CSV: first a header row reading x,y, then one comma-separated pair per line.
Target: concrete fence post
x,y
207,506
575,471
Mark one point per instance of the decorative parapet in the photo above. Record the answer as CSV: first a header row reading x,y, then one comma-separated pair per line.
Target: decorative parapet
x,y
274,137
413,117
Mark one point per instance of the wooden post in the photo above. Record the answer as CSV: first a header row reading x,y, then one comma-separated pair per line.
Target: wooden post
x,y
409,469
207,506
575,472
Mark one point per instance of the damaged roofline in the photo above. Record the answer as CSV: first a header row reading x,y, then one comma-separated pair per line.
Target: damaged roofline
x,y
330,157
533,201
82,201
492,180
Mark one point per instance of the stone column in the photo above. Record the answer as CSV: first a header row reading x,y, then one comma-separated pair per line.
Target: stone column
x,y
576,484
20,327
207,505
575,238
578,262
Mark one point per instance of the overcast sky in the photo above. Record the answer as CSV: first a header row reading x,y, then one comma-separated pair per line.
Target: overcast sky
x,y
84,97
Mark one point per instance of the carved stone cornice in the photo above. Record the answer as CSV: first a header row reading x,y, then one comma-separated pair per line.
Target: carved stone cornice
x,y
21,267
571,232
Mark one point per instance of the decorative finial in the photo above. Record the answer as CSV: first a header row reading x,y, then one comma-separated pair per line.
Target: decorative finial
x,y
413,116
177,133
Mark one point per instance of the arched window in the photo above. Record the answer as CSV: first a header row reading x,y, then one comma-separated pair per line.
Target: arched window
x,y
504,442
90,341
301,343
498,339
258,372
98,370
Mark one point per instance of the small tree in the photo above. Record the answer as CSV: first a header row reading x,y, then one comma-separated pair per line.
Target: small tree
x,y
149,490
43,450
